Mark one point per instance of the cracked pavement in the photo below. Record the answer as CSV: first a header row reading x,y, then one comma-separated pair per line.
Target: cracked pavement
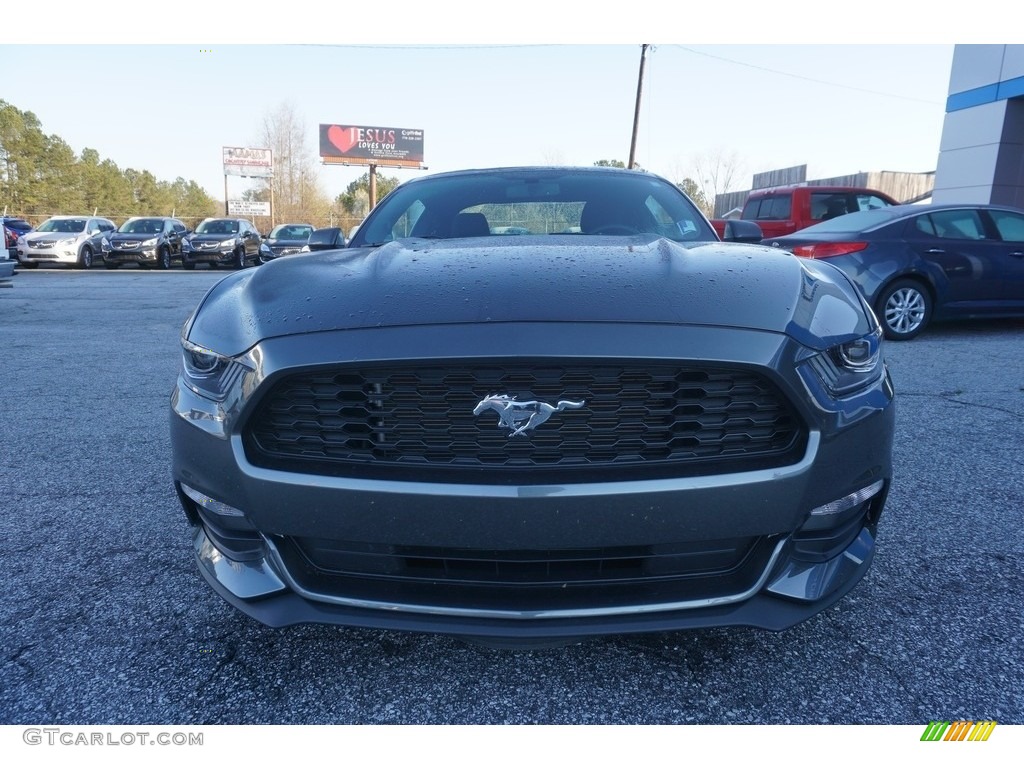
x,y
105,619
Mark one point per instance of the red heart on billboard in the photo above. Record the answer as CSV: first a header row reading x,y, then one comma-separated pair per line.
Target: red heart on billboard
x,y
343,138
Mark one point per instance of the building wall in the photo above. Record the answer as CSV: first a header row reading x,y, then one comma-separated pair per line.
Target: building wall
x,y
981,153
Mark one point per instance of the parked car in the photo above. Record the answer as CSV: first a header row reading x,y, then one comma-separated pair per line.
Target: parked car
x,y
326,239
919,263
286,239
534,437
780,211
13,228
75,240
145,240
222,242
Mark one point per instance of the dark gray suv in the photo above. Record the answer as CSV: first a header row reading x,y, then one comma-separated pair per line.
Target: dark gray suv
x,y
145,240
222,242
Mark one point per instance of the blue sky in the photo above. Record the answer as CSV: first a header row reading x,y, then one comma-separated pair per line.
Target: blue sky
x,y
499,93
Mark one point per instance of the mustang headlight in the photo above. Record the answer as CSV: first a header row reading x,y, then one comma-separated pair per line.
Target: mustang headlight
x,y
850,366
207,373
212,388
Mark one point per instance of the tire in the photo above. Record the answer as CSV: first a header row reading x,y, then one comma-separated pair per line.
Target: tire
x,y
85,257
239,260
904,309
189,265
163,258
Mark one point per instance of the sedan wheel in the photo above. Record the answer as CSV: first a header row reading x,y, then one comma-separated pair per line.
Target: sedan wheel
x,y
163,258
85,257
904,308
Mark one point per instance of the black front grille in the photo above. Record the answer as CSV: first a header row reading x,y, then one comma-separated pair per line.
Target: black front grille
x,y
642,420
528,580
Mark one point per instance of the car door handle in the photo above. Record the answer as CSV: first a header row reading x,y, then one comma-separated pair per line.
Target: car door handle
x,y
935,250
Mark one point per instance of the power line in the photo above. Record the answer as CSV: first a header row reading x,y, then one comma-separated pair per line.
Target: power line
x,y
804,77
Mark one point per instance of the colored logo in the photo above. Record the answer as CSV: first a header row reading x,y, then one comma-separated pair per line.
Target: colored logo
x,y
961,730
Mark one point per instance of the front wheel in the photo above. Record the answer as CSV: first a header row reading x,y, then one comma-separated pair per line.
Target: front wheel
x,y
85,257
905,309
163,258
239,262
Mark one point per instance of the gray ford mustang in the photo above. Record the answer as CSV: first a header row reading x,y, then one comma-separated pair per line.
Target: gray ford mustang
x,y
531,405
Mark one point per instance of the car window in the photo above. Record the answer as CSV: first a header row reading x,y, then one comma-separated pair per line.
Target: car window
x,y
955,225
769,208
62,225
865,202
1009,225
565,201
327,236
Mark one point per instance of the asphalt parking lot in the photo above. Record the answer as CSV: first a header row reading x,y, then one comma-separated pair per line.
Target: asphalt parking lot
x,y
106,620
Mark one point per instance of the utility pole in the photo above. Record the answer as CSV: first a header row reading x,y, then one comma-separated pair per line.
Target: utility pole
x,y
636,113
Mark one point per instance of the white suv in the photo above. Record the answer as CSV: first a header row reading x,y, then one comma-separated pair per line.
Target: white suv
x,y
64,240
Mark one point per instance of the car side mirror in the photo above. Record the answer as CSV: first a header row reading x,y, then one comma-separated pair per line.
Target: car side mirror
x,y
742,231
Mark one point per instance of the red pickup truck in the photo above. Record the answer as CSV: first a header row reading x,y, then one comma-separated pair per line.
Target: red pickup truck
x,y
781,210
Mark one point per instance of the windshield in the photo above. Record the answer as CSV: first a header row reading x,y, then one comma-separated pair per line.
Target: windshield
x,y
218,227
544,201
291,232
62,225
142,227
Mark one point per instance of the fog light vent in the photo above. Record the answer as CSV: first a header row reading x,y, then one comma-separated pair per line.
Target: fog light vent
x,y
217,507
849,502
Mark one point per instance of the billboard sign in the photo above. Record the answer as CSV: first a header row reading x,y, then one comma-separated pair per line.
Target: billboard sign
x,y
248,161
371,145
248,208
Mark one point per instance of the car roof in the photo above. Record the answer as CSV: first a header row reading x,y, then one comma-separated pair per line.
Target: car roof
x,y
911,208
529,170
820,188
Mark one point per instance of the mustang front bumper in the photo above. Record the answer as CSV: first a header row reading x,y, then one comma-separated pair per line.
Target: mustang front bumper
x,y
798,537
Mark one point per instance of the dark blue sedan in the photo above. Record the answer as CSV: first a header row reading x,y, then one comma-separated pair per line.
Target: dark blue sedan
x,y
918,263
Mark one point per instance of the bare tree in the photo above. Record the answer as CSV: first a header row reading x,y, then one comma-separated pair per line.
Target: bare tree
x,y
296,183
716,172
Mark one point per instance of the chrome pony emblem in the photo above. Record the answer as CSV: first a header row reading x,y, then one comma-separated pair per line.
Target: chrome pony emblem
x,y
520,417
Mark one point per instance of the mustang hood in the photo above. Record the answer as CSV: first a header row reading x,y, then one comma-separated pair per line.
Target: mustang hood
x,y
574,278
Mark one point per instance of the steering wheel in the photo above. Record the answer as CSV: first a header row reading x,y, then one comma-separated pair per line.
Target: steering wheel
x,y
615,229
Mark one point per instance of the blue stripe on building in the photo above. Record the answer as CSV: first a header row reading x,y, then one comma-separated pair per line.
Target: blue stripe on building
x,y
986,94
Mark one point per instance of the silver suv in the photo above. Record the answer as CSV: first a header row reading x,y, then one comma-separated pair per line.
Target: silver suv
x,y
72,240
